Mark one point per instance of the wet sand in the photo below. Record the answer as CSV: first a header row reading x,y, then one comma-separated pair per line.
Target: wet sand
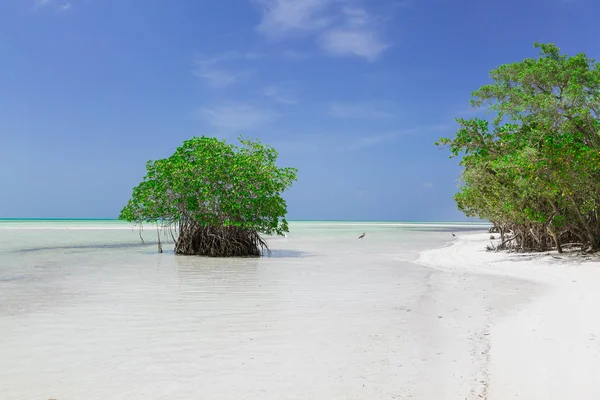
x,y
92,314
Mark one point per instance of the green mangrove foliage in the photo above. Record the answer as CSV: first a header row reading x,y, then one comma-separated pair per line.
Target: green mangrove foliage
x,y
534,172
216,198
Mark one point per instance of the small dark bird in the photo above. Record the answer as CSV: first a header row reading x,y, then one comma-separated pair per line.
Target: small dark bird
x,y
362,236
453,234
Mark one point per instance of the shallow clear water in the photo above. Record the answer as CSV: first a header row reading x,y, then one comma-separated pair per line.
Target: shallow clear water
x,y
88,312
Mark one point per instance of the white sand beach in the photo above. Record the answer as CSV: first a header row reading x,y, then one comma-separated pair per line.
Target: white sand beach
x,y
549,346
94,314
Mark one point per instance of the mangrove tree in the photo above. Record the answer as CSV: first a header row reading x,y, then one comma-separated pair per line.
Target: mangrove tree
x,y
534,171
215,198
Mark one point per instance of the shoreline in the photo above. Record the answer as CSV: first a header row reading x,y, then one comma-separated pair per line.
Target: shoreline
x,y
121,225
547,347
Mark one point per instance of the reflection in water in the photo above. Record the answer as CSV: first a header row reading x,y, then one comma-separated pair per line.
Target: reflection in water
x,y
286,253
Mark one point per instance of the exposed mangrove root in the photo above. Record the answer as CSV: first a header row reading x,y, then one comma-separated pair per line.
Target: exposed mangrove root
x,y
537,238
160,249
195,239
140,233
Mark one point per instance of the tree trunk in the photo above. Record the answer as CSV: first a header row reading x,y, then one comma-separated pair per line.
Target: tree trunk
x,y
551,230
552,233
589,234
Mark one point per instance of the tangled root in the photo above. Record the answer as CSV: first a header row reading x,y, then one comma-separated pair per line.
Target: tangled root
x,y
218,241
534,238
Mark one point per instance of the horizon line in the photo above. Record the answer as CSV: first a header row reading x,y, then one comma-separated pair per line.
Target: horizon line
x,y
292,220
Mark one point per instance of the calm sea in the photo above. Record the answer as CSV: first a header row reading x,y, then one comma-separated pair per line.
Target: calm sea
x,y
88,311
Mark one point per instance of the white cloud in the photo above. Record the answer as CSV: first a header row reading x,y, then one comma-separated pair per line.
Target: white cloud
x,y
42,3
57,4
284,17
353,42
341,27
365,109
358,36
284,93
212,71
236,116
356,16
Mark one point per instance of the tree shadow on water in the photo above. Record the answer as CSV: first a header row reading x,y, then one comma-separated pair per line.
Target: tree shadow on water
x,y
277,253
274,253
87,247
14,278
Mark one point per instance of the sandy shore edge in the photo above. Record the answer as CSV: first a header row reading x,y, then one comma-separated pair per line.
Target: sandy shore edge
x,y
550,347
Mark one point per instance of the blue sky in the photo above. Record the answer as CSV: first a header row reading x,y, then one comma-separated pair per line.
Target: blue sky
x,y
351,92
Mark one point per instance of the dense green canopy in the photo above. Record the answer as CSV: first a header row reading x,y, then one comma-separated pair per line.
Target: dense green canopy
x,y
214,193
535,172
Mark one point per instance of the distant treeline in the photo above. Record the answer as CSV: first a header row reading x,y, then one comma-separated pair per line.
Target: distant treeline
x,y
534,172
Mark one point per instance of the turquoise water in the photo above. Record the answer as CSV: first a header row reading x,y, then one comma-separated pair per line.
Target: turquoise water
x,y
98,223
297,221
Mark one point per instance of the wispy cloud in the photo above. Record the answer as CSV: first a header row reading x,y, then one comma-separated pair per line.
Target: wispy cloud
x,y
229,56
342,142
366,141
56,4
341,27
287,17
353,42
357,36
284,93
42,3
220,77
333,143
213,71
297,55
363,109
237,116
